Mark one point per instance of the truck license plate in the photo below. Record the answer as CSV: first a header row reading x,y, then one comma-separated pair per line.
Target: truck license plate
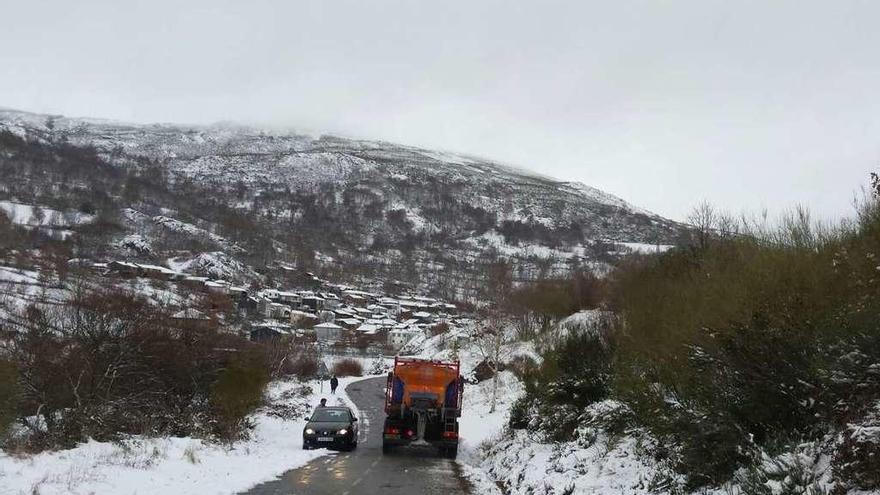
x,y
325,439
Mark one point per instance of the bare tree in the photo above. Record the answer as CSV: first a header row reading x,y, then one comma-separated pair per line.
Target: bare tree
x,y
704,219
493,339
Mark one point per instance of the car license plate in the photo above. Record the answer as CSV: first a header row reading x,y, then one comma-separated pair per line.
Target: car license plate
x,y
325,439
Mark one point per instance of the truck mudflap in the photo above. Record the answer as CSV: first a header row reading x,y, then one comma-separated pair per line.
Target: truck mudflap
x,y
395,436
447,448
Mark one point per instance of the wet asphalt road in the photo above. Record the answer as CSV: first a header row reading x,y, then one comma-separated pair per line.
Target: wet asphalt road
x,y
366,470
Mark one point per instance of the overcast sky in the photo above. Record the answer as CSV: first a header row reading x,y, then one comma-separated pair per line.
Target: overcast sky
x,y
664,103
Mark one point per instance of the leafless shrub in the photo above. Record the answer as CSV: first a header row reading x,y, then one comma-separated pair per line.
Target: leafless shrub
x,y
439,328
348,367
107,364
304,366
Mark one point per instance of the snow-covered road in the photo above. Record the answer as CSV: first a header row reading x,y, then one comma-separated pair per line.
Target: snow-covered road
x,y
367,470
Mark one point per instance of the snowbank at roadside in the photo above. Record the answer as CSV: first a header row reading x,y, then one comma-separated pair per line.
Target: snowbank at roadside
x,y
478,427
524,464
147,466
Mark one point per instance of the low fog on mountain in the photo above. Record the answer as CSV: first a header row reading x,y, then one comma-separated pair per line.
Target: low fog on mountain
x,y
663,104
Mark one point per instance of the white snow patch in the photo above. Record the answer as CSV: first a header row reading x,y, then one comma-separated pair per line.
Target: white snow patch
x,y
37,216
160,466
215,264
643,248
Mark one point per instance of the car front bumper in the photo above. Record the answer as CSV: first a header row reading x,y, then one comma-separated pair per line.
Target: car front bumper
x,y
311,441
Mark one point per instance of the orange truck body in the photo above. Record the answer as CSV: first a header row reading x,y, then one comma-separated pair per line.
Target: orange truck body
x,y
424,378
423,402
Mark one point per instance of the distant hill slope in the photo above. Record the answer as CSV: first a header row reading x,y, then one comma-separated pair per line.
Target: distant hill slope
x,y
360,208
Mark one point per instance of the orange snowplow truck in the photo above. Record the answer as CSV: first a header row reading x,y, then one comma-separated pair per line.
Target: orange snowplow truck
x,y
423,404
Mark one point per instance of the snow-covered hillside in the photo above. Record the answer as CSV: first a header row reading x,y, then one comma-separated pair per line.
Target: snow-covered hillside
x,y
381,209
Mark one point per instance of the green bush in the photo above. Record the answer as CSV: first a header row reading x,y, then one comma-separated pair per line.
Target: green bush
x,y
750,341
237,392
746,342
857,457
548,300
789,475
520,413
574,373
8,395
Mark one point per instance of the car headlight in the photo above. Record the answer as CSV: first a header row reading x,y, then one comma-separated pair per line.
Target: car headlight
x,y
310,431
342,431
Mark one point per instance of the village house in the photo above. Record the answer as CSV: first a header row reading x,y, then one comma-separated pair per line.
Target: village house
x,y
359,295
269,331
160,272
313,303
130,270
353,299
279,311
303,319
409,304
238,293
370,334
398,337
344,313
426,301
367,328
194,282
191,318
423,317
331,300
289,298
328,332
217,287
348,323
249,306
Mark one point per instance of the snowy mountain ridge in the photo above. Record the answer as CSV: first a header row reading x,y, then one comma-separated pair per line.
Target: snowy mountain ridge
x,y
377,209
192,148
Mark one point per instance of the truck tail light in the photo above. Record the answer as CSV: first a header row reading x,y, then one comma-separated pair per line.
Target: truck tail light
x,y
409,433
450,434
392,431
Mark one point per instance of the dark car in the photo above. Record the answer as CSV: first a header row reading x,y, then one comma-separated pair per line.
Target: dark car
x,y
331,427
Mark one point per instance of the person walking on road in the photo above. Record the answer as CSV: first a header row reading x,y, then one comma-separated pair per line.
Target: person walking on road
x,y
334,382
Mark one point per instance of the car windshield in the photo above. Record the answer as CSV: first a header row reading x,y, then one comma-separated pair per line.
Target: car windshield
x,y
331,415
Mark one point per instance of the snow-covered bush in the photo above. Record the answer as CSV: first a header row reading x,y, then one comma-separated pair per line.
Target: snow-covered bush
x,y
379,366
608,417
573,375
793,473
857,457
136,244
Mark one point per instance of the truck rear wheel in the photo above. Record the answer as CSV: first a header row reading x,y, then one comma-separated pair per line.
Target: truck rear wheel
x,y
449,452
